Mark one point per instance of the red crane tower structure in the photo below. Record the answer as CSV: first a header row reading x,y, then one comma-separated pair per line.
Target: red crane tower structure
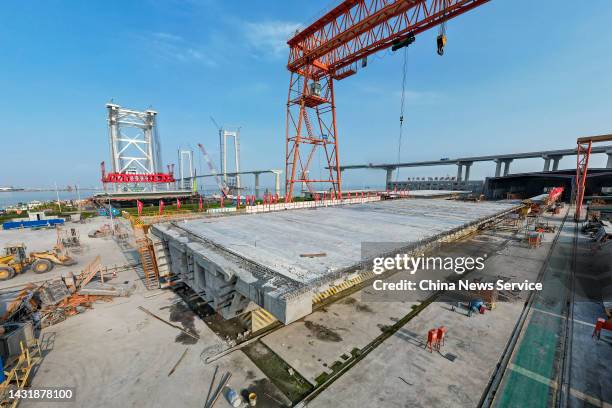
x,y
583,155
328,50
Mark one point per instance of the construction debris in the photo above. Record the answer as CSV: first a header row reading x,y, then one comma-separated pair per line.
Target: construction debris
x,y
224,380
52,292
53,300
212,382
178,362
108,289
192,335
103,231
544,227
68,238
316,255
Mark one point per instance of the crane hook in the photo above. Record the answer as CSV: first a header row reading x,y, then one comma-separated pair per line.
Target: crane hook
x,y
441,42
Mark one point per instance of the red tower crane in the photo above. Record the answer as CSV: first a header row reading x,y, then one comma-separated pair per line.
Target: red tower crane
x,y
329,49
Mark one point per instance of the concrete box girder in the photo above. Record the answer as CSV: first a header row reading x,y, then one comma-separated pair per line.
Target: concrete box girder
x,y
259,255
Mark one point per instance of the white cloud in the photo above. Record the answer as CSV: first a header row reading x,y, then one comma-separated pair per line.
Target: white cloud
x,y
270,37
175,48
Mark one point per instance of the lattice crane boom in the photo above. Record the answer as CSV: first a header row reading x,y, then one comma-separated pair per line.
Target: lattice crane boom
x,y
220,183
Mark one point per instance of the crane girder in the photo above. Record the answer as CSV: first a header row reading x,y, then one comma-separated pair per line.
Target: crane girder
x,y
357,28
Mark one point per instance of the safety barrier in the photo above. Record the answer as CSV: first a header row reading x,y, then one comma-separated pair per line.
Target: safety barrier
x,y
259,208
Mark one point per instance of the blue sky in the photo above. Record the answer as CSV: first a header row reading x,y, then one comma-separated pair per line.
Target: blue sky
x,y
516,76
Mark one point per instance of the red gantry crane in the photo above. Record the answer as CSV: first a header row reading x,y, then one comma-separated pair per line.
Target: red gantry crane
x,y
330,49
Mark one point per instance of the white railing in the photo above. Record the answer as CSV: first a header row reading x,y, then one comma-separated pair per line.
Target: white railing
x,y
221,210
259,208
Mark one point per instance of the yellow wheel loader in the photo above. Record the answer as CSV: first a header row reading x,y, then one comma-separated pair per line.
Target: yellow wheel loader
x,y
14,260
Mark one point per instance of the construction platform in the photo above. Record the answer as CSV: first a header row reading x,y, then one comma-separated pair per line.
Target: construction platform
x,y
129,198
286,261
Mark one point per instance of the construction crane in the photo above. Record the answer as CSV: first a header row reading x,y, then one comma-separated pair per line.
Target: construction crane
x,y
222,186
583,155
329,50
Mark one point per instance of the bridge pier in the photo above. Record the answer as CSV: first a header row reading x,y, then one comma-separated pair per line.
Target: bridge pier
x,y
277,174
459,172
467,166
507,166
556,160
389,177
498,164
609,163
256,184
546,163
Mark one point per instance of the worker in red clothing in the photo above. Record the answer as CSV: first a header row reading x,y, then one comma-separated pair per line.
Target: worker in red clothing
x,y
441,335
432,340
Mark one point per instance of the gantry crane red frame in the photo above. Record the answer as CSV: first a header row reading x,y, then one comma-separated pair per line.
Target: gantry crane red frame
x,y
113,177
329,50
583,155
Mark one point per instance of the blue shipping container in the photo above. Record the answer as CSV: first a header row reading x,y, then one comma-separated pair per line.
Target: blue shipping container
x,y
32,224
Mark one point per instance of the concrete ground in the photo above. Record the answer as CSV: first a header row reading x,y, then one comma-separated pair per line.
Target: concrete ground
x,y
313,344
534,375
118,356
115,355
402,373
45,239
590,382
535,365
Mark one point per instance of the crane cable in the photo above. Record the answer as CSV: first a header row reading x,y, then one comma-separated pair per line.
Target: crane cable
x,y
401,119
441,39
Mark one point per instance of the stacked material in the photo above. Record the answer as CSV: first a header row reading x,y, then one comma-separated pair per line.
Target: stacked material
x,y
54,300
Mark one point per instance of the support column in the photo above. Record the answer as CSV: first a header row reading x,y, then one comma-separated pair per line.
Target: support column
x,y
277,174
389,177
507,166
467,171
459,172
556,160
609,163
546,163
498,164
256,185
